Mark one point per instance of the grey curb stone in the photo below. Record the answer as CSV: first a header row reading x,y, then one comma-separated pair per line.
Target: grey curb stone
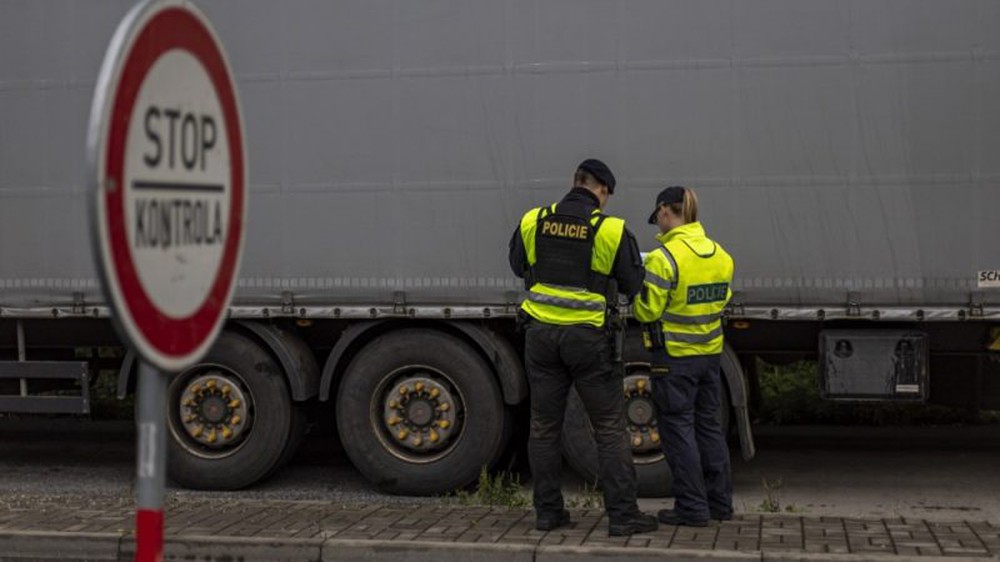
x,y
16,546
246,549
48,545
425,551
864,557
573,553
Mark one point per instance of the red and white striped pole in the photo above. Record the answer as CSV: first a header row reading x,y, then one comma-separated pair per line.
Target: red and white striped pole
x,y
151,463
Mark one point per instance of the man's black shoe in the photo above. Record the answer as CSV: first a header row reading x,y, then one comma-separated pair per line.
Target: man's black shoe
x,y
552,522
638,523
670,517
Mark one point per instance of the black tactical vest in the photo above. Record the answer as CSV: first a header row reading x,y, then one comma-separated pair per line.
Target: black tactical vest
x,y
564,247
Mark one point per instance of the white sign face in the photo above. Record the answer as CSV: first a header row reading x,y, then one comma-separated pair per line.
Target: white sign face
x,y
989,279
177,184
166,149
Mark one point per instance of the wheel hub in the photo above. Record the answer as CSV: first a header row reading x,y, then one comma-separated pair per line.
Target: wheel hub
x,y
640,412
214,411
419,413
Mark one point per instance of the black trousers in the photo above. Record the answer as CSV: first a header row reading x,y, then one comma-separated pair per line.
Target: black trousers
x,y
556,357
687,398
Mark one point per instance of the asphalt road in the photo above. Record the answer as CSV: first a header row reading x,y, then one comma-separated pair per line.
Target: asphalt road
x,y
948,473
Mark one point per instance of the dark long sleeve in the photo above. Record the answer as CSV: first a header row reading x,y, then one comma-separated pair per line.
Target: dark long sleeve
x,y
518,255
628,270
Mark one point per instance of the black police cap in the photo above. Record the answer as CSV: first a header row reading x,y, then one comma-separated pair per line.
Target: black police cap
x,y
669,196
600,171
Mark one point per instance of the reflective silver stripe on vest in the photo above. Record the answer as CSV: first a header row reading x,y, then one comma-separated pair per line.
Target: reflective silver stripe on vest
x,y
693,338
565,303
694,319
565,287
673,263
654,279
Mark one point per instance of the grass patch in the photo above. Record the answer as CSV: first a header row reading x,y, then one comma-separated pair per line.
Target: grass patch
x,y
772,498
590,497
502,489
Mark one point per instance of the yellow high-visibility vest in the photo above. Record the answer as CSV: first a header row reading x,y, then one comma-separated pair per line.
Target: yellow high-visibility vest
x,y
567,305
687,286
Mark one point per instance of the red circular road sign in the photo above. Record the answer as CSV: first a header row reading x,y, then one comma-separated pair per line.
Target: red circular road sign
x,y
167,157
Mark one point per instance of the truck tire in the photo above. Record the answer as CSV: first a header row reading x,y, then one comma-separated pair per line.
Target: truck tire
x,y
651,469
296,434
231,418
420,413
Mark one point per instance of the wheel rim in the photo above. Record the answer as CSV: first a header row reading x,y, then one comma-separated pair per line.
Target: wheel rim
x,y
640,415
418,413
211,411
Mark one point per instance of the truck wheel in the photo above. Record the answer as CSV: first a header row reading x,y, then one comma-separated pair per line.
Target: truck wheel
x,y
420,413
230,418
651,469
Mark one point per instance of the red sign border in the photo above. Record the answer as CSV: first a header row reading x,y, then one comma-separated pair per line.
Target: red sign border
x,y
171,28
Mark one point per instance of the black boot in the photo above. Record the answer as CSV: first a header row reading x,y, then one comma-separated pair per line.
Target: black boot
x,y
638,523
552,522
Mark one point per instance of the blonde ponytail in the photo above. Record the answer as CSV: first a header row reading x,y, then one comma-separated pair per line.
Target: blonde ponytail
x,y
688,208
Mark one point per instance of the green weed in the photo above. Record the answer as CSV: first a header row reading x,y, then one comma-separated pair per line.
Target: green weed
x,y
500,490
772,496
590,497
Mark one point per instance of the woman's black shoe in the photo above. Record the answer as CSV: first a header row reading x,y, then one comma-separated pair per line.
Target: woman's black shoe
x,y
638,523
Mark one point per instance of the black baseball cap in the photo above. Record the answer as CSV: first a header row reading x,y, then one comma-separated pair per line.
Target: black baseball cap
x,y
669,196
600,171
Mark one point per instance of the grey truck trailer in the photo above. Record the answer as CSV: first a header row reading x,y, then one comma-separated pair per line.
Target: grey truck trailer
x,y
846,153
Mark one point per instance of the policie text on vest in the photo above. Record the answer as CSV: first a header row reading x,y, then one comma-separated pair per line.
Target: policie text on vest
x,y
564,230
175,214
701,294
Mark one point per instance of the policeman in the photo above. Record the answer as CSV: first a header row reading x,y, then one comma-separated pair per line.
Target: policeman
x,y
686,288
571,257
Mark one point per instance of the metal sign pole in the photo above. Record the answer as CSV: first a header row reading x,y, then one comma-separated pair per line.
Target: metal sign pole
x,y
151,463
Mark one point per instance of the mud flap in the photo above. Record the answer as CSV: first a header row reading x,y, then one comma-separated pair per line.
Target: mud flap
x,y
736,382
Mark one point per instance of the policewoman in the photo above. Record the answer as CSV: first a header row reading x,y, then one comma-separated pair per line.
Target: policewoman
x,y
686,288
572,258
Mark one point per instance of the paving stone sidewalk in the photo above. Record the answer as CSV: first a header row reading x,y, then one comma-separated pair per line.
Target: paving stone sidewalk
x,y
444,523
